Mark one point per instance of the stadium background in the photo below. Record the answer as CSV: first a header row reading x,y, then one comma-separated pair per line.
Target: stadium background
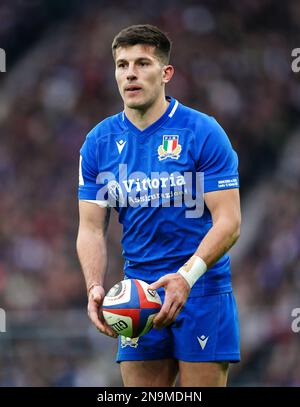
x,y
233,61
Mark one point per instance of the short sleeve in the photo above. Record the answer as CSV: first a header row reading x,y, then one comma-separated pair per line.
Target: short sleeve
x,y
218,161
89,189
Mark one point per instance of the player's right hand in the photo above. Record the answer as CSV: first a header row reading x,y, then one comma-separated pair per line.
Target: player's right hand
x,y
95,300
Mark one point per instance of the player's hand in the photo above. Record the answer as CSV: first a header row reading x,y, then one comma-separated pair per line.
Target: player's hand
x,y
95,300
176,293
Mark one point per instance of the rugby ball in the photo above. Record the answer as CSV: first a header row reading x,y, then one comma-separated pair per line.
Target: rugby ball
x,y
130,306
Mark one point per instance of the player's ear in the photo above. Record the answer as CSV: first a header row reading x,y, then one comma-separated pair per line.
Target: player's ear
x,y
168,72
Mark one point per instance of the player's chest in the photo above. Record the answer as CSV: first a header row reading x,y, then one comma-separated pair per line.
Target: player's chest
x,y
166,151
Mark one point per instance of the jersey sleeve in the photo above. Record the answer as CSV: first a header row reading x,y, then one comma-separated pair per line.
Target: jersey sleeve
x,y
89,189
218,161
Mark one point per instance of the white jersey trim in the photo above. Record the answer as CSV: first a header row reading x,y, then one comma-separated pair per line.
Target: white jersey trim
x,y
102,204
81,180
171,114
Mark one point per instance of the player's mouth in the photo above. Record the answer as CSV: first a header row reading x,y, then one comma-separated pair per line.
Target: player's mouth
x,y
133,89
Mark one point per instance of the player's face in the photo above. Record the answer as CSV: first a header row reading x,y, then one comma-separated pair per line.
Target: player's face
x,y
140,75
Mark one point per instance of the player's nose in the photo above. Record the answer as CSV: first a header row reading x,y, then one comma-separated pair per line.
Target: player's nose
x,y
131,72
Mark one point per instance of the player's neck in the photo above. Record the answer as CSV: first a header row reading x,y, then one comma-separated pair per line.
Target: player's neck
x,y
143,118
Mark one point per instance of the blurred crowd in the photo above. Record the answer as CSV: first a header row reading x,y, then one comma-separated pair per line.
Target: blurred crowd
x,y
267,282
232,62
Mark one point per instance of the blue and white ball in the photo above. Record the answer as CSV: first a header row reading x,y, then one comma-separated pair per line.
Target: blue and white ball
x,y
130,306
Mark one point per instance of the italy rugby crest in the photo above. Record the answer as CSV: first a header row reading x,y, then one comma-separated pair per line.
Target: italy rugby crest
x,y
132,342
170,148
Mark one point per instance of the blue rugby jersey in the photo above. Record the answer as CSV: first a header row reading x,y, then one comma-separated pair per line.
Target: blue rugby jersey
x,y
149,176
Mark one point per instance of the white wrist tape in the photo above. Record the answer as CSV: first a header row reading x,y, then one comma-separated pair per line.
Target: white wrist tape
x,y
196,271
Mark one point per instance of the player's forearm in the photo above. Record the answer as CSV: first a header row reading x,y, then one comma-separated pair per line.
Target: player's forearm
x,y
92,253
220,238
217,241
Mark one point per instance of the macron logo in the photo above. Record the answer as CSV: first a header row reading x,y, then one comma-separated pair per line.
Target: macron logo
x,y
202,341
120,144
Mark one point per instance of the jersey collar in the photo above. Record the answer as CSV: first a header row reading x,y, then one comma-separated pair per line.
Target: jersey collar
x,y
154,126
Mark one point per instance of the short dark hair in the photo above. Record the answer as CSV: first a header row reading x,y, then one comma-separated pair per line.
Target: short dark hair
x,y
144,34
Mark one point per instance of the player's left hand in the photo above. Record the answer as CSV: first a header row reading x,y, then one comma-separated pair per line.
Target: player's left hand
x,y
176,293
